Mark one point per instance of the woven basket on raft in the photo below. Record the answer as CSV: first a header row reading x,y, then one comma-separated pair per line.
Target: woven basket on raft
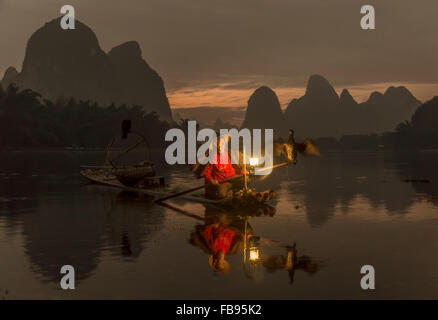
x,y
130,176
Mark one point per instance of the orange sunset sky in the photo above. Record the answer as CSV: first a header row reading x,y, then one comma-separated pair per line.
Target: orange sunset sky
x,y
217,52
227,97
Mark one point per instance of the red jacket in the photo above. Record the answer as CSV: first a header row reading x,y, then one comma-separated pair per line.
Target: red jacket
x,y
219,238
220,170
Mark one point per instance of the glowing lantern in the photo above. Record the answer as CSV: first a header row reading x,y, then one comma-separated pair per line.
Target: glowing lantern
x,y
254,162
254,254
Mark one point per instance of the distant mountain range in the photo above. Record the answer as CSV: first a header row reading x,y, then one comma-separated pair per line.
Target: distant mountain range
x,y
70,63
322,113
264,112
207,116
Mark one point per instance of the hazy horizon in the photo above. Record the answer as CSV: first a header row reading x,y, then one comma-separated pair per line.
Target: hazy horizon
x,y
218,53
218,97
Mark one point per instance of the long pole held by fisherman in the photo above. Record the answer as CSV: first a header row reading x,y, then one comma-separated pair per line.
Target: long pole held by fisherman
x,y
221,181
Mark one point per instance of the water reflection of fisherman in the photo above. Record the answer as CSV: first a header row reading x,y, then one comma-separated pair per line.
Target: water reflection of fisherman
x,y
290,262
221,235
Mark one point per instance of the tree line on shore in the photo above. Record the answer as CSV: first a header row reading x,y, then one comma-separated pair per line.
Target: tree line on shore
x,y
28,120
420,132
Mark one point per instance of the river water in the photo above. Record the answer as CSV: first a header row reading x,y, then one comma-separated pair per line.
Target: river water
x,y
334,214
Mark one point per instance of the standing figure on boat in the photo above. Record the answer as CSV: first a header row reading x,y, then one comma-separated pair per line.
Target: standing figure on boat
x,y
221,169
293,145
292,148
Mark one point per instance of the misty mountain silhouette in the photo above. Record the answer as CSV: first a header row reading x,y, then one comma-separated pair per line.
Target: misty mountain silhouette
x,y
346,99
207,116
264,112
321,113
425,124
70,63
10,75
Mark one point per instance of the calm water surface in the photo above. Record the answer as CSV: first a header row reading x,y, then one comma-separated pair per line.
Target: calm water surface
x,y
342,211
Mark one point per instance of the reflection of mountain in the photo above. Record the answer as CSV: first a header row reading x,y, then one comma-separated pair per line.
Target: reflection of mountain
x,y
419,170
129,228
321,113
60,236
60,63
56,232
336,180
63,222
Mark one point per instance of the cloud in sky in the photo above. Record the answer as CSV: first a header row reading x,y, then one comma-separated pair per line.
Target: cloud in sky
x,y
202,44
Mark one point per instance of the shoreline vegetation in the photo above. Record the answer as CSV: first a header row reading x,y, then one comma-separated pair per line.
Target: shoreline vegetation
x,y
27,121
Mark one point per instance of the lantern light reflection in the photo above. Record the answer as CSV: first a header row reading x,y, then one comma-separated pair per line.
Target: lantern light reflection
x,y
254,254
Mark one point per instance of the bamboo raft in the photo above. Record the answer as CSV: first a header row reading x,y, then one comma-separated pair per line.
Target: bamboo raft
x,y
155,187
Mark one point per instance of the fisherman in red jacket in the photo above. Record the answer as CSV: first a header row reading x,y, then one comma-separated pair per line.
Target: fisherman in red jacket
x,y
220,169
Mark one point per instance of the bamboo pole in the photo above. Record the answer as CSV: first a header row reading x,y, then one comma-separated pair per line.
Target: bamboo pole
x,y
221,181
194,189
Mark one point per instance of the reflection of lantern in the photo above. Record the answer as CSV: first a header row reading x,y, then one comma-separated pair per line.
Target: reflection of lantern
x,y
252,261
254,249
254,254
